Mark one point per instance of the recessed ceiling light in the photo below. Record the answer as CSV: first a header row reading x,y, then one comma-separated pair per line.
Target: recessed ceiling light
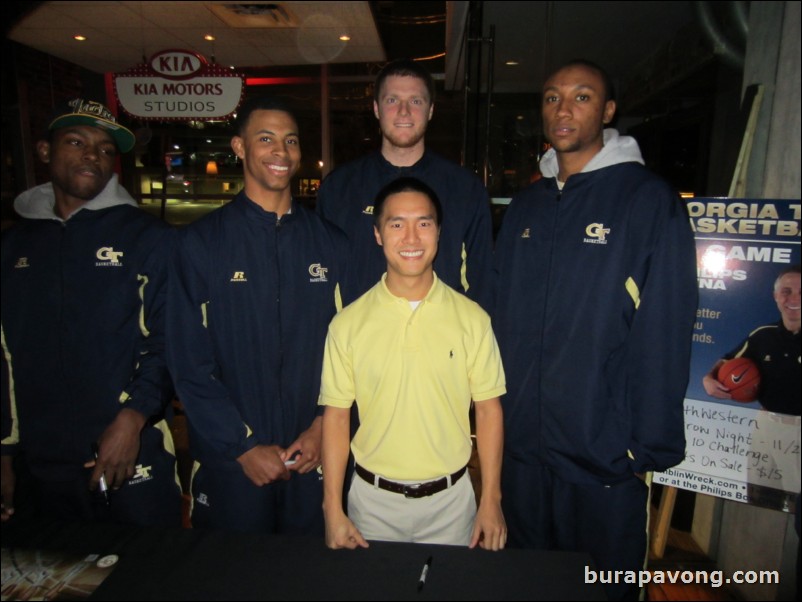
x,y
345,38
511,63
209,37
79,37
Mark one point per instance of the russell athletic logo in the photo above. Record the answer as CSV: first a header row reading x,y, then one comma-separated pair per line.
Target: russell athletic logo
x,y
239,277
107,256
317,273
22,262
141,474
597,234
368,210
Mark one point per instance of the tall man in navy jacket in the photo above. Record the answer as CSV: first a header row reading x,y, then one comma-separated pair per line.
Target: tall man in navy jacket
x,y
83,286
595,306
404,105
253,286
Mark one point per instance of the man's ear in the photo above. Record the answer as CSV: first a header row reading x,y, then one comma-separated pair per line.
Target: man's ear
x,y
43,150
378,237
609,111
431,112
376,109
238,147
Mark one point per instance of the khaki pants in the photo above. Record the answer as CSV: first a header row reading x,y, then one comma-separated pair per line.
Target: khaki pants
x,y
443,518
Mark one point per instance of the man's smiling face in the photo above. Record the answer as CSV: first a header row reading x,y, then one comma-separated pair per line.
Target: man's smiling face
x,y
403,110
408,233
270,150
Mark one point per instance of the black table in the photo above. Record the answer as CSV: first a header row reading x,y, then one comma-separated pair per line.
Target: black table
x,y
187,564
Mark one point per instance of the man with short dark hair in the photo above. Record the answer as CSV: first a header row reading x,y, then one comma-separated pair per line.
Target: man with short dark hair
x,y
253,286
404,105
595,306
83,277
412,354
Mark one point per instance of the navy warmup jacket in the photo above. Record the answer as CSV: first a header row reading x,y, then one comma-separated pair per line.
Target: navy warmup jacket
x,y
83,331
250,300
596,300
464,259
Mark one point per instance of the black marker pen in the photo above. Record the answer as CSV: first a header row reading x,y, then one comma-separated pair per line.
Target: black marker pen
x,y
424,572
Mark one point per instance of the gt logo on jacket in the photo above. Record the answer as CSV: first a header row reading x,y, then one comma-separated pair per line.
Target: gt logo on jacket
x,y
108,256
597,233
318,273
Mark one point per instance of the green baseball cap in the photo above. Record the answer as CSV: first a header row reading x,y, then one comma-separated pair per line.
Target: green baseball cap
x,y
78,111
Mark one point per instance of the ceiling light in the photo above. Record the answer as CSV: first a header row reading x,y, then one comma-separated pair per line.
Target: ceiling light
x,y
511,63
79,38
209,37
345,38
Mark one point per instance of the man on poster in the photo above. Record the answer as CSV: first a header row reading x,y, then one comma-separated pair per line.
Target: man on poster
x,y
775,349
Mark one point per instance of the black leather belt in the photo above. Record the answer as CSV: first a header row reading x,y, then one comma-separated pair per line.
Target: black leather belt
x,y
417,490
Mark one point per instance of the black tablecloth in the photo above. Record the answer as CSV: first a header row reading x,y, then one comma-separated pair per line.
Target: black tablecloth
x,y
187,564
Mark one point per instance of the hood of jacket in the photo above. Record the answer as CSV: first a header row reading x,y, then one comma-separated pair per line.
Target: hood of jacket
x,y
617,149
39,201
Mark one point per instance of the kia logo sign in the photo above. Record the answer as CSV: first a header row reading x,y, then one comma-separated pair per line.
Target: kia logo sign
x,y
176,64
179,85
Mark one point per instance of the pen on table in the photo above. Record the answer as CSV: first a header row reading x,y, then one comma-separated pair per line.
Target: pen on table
x,y
102,486
424,572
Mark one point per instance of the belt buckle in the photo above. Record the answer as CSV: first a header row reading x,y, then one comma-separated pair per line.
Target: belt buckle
x,y
412,491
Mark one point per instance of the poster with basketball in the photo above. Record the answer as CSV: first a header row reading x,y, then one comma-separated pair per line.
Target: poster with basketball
x,y
742,405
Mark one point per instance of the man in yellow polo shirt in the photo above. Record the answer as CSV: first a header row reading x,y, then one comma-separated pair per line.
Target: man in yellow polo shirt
x,y
413,353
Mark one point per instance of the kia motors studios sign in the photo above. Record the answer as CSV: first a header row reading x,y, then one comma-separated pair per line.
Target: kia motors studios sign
x,y
178,85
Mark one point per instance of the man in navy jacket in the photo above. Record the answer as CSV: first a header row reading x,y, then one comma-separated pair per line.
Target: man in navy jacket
x,y
595,306
404,105
253,286
84,277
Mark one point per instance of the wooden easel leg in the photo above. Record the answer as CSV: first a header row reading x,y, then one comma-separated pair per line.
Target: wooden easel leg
x,y
663,521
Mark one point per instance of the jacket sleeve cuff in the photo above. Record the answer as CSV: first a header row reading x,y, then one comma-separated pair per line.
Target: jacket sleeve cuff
x,y
9,449
147,407
643,460
244,446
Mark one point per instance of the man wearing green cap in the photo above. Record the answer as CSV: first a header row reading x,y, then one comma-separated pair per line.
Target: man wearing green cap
x,y
84,383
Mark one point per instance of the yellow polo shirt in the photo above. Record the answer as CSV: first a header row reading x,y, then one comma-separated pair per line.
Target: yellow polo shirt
x,y
413,375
